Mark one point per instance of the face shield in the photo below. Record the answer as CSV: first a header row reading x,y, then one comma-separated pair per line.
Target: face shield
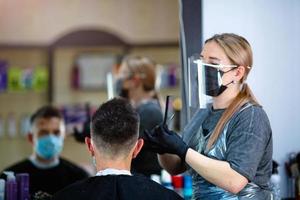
x,y
115,85
205,81
116,89
111,87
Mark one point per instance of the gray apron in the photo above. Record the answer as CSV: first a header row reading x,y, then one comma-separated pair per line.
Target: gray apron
x,y
202,189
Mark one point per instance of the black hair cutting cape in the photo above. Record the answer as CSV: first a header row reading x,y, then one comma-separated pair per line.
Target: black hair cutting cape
x,y
116,187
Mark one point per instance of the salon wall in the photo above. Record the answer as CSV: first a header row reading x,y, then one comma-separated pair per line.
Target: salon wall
x,y
63,63
272,27
41,22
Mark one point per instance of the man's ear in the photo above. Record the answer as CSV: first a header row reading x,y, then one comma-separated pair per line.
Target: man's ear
x,y
138,147
89,145
30,137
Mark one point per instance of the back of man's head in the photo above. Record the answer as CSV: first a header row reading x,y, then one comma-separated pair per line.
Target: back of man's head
x,y
115,127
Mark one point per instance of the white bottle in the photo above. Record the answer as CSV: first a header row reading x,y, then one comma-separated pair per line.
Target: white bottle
x,y
11,125
2,189
25,125
166,179
1,127
275,185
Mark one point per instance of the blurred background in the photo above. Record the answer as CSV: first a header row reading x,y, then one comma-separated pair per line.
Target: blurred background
x,y
45,44
49,48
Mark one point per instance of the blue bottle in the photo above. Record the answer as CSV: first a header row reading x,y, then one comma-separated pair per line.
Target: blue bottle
x,y
187,187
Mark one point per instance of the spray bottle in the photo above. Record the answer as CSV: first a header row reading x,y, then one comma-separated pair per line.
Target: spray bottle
x,y
275,181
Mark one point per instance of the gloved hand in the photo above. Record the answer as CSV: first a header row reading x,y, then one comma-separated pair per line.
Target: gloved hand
x,y
162,140
80,136
86,130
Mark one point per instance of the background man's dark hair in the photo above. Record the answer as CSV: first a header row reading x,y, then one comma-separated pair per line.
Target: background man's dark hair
x,y
115,126
45,112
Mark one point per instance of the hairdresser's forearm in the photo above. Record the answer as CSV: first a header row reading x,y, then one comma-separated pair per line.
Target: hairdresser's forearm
x,y
217,172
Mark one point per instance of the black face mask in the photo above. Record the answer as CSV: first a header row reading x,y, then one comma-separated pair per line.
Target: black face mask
x,y
124,93
212,84
216,92
120,91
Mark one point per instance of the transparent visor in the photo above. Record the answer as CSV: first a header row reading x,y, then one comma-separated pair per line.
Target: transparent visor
x,y
114,86
205,81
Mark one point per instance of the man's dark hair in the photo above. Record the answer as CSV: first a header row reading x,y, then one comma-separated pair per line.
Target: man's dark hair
x,y
115,126
45,112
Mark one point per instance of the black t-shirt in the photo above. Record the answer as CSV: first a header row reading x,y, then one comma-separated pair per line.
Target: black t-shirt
x,y
150,116
116,187
49,180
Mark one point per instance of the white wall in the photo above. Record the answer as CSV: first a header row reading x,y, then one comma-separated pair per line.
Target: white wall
x,y
273,29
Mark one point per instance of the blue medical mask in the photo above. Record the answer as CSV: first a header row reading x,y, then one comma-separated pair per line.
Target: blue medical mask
x,y
49,146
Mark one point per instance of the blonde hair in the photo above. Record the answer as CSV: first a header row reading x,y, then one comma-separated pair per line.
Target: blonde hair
x,y
239,52
144,68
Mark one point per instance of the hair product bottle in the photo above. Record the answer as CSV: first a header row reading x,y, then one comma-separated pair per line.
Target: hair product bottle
x,y
2,189
11,189
23,186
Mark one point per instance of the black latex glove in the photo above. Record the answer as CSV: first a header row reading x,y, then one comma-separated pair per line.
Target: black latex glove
x,y
162,140
80,136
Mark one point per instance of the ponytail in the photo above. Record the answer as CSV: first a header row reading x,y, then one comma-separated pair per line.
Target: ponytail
x,y
244,96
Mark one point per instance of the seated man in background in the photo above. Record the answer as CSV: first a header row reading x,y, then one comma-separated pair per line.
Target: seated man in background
x,y
113,144
47,171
